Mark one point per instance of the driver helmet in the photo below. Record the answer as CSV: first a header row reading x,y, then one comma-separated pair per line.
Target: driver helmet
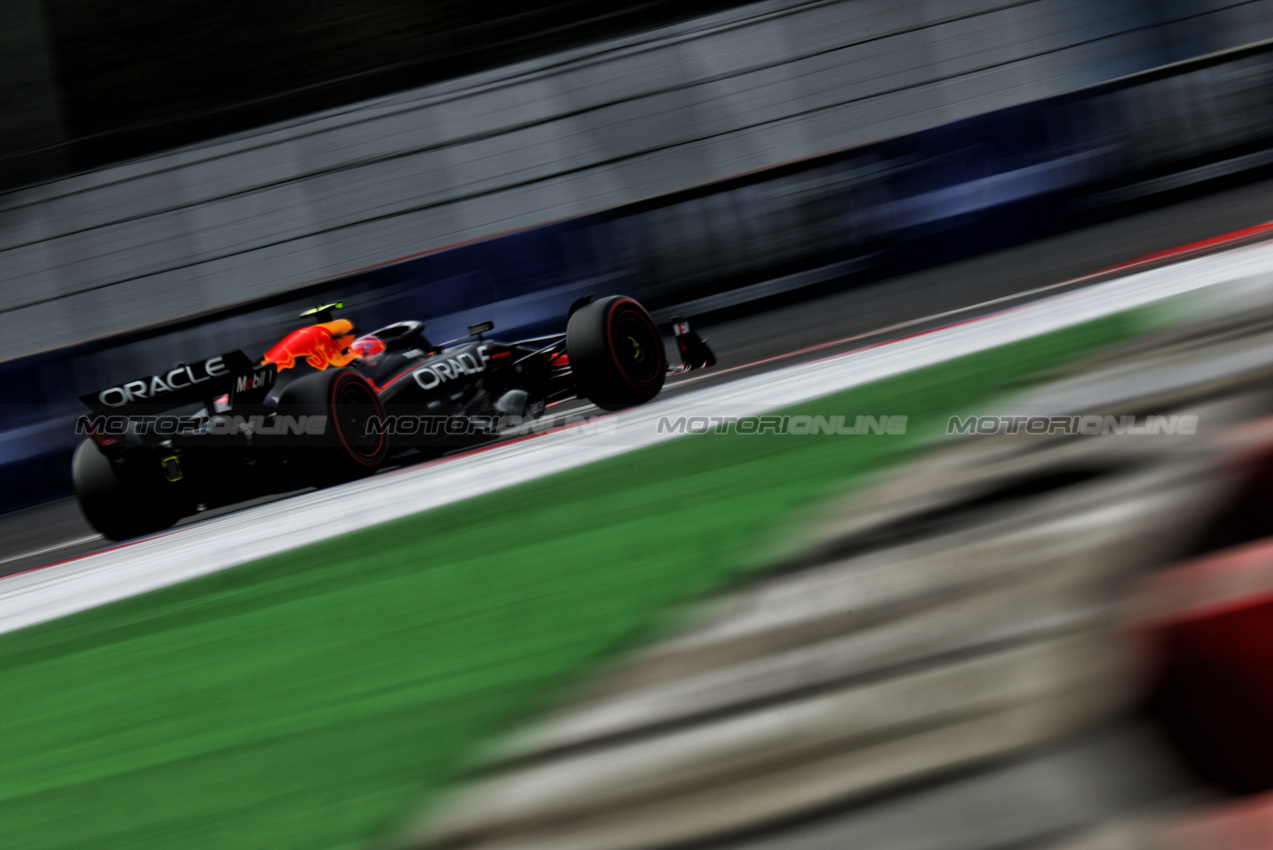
x,y
368,345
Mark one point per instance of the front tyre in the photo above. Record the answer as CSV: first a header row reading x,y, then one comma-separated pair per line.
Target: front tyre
x,y
616,353
120,503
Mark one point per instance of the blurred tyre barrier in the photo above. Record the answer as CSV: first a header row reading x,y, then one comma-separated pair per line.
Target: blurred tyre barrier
x,y
1209,624
964,653
814,225
1207,628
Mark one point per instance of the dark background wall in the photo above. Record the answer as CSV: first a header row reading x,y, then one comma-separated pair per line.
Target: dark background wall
x,y
265,210
33,133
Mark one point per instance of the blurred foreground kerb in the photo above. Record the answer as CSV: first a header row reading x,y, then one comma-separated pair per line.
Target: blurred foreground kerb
x,y
1055,640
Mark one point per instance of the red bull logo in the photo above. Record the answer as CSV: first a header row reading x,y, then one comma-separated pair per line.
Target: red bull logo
x,y
320,345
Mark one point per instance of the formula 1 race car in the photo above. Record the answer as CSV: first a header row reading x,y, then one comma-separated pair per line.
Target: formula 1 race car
x,y
326,405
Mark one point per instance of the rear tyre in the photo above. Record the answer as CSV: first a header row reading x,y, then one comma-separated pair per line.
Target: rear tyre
x,y
351,444
616,353
121,503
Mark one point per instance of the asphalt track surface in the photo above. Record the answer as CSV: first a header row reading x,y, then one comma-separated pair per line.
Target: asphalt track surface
x,y
828,325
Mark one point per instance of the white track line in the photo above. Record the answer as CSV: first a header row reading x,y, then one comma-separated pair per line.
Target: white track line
x,y
217,544
65,544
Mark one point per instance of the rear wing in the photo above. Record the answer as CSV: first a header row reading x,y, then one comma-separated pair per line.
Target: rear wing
x,y
231,373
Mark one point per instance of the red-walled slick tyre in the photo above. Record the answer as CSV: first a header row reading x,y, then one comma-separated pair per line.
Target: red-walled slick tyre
x,y
616,353
352,442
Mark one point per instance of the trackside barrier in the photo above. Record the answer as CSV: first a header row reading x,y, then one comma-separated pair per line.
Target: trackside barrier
x,y
815,225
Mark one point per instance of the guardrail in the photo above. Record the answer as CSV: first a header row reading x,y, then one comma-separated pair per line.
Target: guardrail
x,y
841,219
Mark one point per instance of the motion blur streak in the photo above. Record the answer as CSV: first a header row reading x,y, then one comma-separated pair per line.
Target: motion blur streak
x,y
224,542
972,528
1020,639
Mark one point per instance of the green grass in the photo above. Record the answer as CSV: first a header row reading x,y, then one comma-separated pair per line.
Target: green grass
x,y
310,699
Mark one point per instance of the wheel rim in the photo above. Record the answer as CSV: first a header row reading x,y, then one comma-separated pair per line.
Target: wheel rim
x,y
354,407
637,347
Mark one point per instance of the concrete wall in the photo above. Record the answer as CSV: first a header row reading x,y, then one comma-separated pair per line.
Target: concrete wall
x,y
262,212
